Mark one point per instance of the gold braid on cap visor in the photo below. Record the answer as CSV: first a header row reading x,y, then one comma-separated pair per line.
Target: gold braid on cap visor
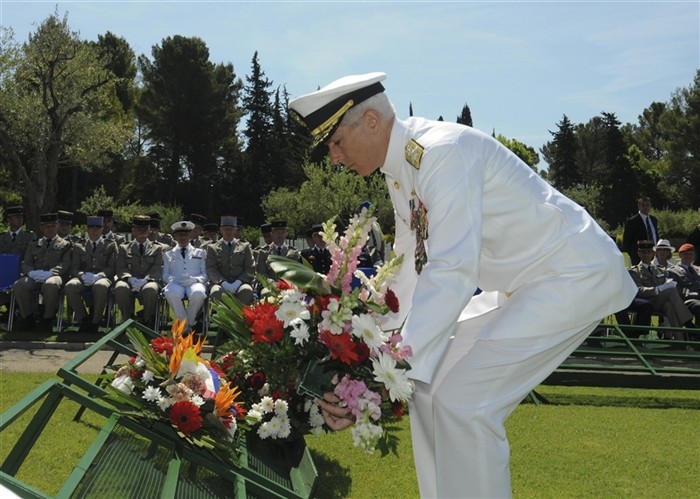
x,y
323,130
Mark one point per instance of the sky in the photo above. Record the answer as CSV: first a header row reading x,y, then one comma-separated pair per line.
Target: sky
x,y
519,65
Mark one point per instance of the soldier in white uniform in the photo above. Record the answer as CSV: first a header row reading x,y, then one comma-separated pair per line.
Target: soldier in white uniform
x,y
470,214
185,275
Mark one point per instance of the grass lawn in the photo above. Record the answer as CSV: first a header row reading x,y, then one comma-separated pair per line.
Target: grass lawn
x,y
589,442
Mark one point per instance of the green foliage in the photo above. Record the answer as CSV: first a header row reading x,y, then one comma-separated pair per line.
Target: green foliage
x,y
329,191
524,152
677,224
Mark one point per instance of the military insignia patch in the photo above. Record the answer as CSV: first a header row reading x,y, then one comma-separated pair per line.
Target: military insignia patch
x,y
414,153
419,223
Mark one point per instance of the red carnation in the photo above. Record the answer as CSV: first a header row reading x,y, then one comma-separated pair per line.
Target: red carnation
x,y
340,345
256,380
391,300
362,352
186,417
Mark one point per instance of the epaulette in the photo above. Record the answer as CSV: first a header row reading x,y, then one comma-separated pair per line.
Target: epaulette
x,y
414,153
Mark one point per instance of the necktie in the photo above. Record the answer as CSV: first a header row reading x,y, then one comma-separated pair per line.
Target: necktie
x,y
48,243
94,246
183,252
650,233
279,250
141,249
230,245
14,236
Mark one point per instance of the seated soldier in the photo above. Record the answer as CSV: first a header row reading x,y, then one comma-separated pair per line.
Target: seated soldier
x,y
655,286
139,273
93,268
154,233
687,277
14,241
230,264
185,276
278,246
663,251
45,266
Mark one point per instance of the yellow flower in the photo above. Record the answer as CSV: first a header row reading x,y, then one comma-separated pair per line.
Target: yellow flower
x,y
181,346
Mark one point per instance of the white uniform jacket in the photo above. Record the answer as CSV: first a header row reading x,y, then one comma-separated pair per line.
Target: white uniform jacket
x,y
492,223
185,272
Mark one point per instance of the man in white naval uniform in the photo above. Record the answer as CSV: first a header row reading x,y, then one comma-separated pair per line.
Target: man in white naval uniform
x,y
470,214
185,275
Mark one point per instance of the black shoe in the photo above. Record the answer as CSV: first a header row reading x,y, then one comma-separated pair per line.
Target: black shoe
x,y
46,324
24,324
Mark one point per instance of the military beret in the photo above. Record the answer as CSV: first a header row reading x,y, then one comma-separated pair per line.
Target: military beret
x,y
322,111
686,247
14,210
95,221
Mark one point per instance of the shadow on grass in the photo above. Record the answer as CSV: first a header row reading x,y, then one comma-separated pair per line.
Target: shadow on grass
x,y
334,481
641,401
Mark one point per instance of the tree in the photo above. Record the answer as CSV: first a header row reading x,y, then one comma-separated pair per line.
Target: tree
x,y
524,152
58,107
189,112
465,118
561,156
329,191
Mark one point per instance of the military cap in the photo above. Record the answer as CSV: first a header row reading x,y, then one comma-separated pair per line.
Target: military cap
x,y
265,228
182,226
95,221
278,224
228,221
198,219
48,218
14,210
64,216
141,221
645,245
154,214
322,111
106,213
210,227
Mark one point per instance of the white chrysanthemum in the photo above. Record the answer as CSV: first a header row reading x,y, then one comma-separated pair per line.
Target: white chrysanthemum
x,y
300,331
151,393
290,310
147,376
281,406
267,404
315,417
264,431
164,403
364,326
291,295
365,436
197,400
254,414
285,428
395,380
123,384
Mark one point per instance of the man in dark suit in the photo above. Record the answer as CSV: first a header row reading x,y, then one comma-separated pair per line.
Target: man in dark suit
x,y
640,227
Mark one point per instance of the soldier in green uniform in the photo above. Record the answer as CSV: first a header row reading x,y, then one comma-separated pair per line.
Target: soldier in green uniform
x,y
45,267
93,268
230,264
139,272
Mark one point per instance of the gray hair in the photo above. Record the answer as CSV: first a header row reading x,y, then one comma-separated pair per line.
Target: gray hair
x,y
379,102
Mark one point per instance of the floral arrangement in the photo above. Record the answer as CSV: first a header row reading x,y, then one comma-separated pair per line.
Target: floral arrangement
x,y
169,382
310,334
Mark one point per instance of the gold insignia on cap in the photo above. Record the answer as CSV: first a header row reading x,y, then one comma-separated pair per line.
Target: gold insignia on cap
x,y
414,153
321,131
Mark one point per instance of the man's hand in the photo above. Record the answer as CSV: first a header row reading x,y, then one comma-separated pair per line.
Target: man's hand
x,y
335,415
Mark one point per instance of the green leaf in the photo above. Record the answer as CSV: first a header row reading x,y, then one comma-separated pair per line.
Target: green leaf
x,y
298,274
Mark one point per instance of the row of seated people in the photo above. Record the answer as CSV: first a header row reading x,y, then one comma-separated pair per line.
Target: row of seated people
x,y
666,289
90,270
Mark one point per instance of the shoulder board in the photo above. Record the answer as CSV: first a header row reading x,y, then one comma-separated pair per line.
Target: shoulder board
x,y
414,153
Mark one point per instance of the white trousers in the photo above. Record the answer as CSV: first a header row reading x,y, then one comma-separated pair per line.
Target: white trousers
x,y
195,295
457,422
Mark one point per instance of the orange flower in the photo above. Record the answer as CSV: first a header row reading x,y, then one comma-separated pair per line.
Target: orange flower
x,y
182,345
224,399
